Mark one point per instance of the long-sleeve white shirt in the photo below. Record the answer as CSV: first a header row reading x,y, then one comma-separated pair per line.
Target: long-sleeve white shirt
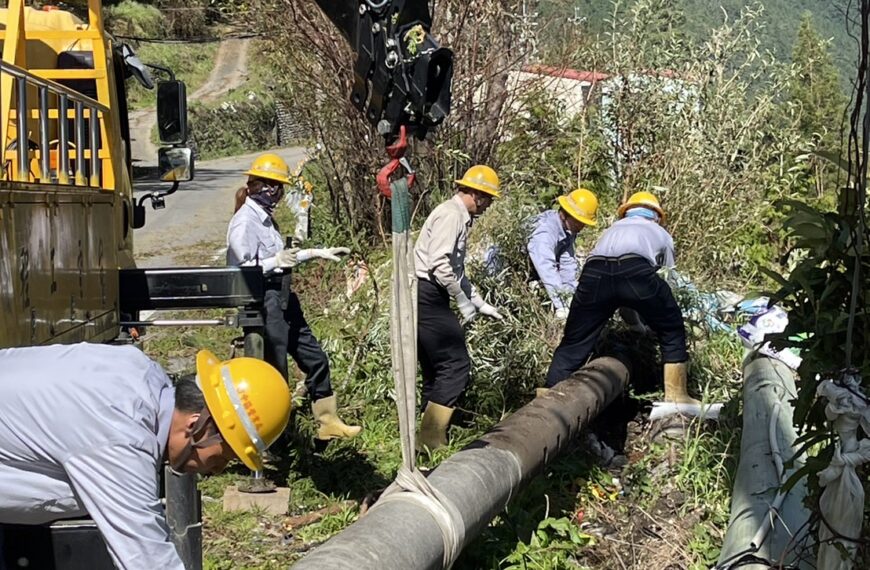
x,y
439,254
83,430
551,248
252,238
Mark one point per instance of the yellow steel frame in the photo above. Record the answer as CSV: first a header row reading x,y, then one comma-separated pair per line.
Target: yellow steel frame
x,y
15,38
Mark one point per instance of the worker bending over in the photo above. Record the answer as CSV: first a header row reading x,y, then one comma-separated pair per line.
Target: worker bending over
x,y
85,428
253,239
439,260
621,271
551,245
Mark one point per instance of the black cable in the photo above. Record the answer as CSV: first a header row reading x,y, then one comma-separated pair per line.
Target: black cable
x,y
200,40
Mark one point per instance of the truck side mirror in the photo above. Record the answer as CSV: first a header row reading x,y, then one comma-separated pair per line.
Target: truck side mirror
x,y
138,216
175,164
172,112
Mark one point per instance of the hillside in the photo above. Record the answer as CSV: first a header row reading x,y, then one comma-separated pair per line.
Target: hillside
x,y
782,18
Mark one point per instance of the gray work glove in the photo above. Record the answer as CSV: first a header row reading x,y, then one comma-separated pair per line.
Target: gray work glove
x,y
490,311
466,307
562,314
287,258
329,253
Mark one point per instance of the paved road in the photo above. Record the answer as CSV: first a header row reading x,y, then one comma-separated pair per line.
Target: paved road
x,y
198,212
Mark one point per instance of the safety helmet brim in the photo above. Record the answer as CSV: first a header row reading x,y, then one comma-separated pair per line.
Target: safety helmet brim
x,y
268,176
479,187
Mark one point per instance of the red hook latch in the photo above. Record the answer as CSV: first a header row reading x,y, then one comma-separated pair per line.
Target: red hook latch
x,y
396,152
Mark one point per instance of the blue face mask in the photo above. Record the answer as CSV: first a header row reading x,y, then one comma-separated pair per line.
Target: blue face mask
x,y
643,213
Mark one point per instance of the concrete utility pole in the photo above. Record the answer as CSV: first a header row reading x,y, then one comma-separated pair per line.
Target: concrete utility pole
x,y
479,481
768,527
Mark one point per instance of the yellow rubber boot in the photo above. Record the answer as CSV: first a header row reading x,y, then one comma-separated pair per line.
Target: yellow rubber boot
x,y
331,426
433,427
676,378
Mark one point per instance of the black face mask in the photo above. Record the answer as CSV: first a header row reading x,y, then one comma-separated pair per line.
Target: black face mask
x,y
479,201
268,197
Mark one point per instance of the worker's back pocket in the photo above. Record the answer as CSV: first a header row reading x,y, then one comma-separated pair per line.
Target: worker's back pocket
x,y
588,288
643,287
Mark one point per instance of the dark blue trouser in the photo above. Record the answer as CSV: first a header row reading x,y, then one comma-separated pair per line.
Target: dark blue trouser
x,y
604,286
441,348
287,332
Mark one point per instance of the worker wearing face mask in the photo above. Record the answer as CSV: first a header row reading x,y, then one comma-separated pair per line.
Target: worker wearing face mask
x,y
253,239
621,271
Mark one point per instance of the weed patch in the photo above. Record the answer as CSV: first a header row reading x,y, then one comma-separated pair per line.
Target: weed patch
x,y
130,18
191,63
666,504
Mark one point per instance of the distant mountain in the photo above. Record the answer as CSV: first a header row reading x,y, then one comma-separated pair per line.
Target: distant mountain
x,y
782,18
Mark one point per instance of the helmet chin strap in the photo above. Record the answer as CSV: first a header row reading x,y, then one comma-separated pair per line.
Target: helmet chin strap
x,y
198,439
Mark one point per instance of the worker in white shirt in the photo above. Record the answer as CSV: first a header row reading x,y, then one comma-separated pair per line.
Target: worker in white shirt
x,y
85,428
551,245
253,239
621,271
439,261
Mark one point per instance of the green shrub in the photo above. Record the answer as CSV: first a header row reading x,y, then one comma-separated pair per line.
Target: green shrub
x,y
191,63
185,19
232,128
130,18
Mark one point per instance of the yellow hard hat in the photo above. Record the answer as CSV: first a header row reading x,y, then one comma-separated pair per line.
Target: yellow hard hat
x,y
483,178
249,401
641,199
582,205
271,167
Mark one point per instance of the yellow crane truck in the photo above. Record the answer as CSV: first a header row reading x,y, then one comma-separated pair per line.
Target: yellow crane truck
x,y
68,215
66,196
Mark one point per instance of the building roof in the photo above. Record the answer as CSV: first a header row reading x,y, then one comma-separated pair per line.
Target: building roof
x,y
575,74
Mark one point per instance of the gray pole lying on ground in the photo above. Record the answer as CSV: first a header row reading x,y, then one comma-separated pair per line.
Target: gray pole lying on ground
x,y
480,480
756,532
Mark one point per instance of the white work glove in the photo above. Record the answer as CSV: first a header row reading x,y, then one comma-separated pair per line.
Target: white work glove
x,y
490,311
671,277
466,307
562,314
287,258
329,253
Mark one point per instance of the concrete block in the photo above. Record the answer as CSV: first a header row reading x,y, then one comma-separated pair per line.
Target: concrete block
x,y
274,503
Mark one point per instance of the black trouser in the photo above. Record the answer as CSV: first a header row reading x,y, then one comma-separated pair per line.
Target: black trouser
x,y
440,346
604,286
286,332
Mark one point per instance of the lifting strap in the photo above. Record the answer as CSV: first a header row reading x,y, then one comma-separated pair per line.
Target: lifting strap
x,y
410,484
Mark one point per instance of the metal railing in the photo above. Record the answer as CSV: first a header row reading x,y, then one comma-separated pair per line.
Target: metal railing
x,y
83,106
